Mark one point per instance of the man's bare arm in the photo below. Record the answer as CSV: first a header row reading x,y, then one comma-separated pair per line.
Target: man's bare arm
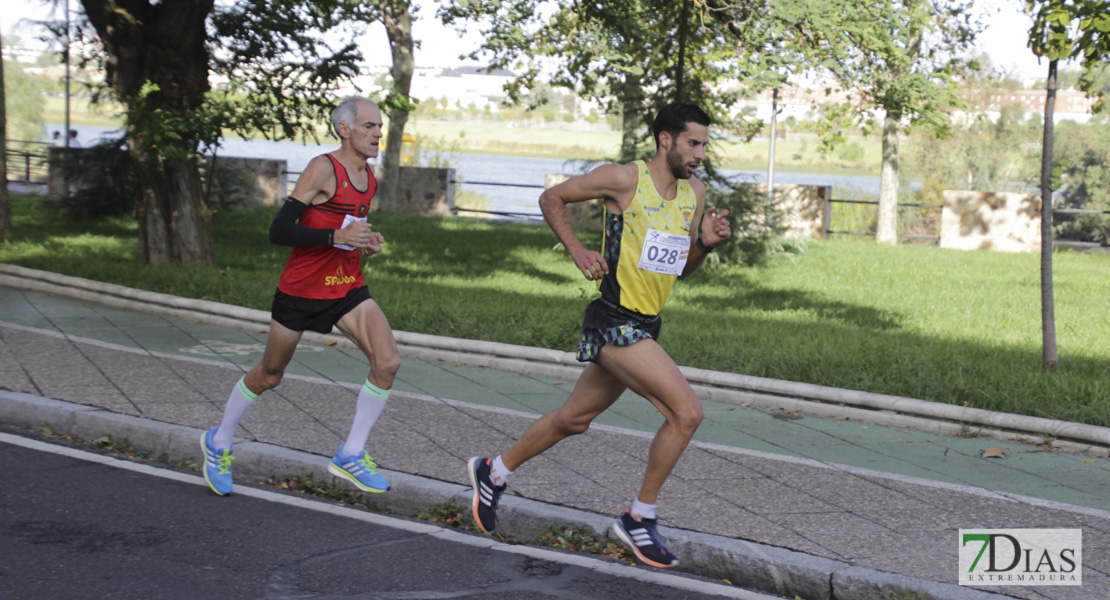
x,y
615,184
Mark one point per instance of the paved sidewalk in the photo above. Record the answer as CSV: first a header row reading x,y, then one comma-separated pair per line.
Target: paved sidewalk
x,y
784,502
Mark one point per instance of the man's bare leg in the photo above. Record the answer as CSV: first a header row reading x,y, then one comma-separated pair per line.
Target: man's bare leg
x,y
367,326
281,343
595,392
649,371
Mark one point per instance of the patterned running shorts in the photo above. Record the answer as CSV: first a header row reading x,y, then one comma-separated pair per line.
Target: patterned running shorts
x,y
607,323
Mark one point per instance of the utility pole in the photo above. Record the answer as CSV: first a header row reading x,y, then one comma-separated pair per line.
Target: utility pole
x,y
65,180
771,161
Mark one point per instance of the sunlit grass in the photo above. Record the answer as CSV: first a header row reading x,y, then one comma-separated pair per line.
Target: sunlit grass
x,y
915,321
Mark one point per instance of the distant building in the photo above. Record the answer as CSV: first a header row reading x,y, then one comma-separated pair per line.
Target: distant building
x,y
799,102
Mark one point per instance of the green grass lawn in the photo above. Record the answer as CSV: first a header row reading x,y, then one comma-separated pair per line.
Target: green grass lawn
x,y
921,322
798,154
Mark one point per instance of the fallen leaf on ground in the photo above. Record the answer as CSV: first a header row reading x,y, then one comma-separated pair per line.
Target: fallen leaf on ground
x,y
993,452
329,343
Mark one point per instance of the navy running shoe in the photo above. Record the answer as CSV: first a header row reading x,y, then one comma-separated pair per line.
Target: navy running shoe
x,y
643,538
359,470
486,494
217,464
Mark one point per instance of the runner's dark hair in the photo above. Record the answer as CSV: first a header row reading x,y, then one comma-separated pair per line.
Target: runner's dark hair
x,y
674,117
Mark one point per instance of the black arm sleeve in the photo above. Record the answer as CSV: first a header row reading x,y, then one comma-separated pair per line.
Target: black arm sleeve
x,y
287,232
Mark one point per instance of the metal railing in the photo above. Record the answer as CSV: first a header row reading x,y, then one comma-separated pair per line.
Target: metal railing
x,y
826,221
515,215
27,162
826,225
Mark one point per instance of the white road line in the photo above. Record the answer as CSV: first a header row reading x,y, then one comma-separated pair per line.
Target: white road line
x,y
446,533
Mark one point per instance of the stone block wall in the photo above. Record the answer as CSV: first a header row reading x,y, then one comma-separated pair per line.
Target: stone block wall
x,y
588,214
424,190
242,181
1000,221
800,209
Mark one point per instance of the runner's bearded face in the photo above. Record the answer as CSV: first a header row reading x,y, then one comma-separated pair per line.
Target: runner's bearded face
x,y
688,150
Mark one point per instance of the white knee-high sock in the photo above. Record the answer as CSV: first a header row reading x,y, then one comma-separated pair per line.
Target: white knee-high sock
x,y
371,401
240,400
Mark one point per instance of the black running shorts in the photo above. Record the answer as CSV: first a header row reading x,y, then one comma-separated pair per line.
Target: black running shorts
x,y
310,314
608,323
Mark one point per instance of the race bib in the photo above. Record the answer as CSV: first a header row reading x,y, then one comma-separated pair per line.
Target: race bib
x,y
664,252
347,220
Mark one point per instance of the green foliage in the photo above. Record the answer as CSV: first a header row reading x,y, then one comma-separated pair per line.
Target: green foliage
x,y
597,48
282,74
305,484
981,154
752,229
851,152
448,513
100,180
896,54
580,539
1082,159
23,103
123,447
1073,29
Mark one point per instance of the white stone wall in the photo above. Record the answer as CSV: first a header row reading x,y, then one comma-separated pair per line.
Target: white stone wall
x,y
1000,221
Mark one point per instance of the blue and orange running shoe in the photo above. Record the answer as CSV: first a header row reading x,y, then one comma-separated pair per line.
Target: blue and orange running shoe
x,y
359,470
642,537
486,495
217,464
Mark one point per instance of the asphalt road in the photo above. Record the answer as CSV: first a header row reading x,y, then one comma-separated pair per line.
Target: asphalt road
x,y
80,524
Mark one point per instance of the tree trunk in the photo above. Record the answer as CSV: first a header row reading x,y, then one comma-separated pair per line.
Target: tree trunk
x,y
163,44
5,205
680,75
887,229
397,17
632,119
174,225
1048,317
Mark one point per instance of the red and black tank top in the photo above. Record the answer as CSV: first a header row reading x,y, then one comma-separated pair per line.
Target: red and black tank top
x,y
328,272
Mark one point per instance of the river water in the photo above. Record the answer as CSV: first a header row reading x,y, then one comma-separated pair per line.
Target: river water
x,y
511,184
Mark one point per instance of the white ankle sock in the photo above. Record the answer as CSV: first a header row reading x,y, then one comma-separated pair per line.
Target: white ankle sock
x,y
639,510
498,472
238,402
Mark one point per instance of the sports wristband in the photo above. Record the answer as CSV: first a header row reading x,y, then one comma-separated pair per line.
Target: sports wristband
x,y
701,246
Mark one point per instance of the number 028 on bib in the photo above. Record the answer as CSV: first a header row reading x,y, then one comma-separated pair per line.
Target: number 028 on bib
x,y
664,252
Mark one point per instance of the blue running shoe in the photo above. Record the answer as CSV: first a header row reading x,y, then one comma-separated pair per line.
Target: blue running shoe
x,y
359,470
217,464
643,538
486,495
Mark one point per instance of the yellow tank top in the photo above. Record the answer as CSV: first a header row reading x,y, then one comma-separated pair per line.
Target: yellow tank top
x,y
647,245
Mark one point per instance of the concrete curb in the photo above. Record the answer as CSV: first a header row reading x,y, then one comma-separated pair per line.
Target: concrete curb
x,y
730,388
747,564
